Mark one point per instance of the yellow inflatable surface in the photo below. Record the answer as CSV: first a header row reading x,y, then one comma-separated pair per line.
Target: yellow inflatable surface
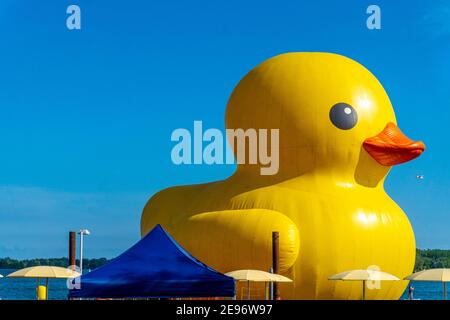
x,y
338,139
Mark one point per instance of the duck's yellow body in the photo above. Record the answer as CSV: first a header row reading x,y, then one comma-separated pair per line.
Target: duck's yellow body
x,y
327,200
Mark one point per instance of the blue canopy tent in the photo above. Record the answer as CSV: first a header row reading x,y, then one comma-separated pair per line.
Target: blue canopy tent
x,y
155,267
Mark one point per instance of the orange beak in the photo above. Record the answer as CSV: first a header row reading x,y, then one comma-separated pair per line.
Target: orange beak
x,y
391,146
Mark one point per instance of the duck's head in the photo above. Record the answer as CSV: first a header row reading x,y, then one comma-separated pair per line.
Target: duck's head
x,y
332,114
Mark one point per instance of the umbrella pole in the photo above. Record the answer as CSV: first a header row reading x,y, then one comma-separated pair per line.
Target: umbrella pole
x,y
266,290
46,289
445,291
364,290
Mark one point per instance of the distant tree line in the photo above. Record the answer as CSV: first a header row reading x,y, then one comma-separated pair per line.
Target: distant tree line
x,y
425,259
8,263
432,258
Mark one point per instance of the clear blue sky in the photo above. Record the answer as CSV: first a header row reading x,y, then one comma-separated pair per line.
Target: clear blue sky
x,y
86,116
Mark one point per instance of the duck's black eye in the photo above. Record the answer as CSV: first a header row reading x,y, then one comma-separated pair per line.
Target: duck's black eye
x,y
343,116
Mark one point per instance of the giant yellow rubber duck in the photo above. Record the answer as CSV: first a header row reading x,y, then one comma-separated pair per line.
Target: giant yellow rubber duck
x,y
338,139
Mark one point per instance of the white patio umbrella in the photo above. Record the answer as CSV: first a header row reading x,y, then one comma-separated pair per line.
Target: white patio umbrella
x,y
432,275
364,276
44,272
257,276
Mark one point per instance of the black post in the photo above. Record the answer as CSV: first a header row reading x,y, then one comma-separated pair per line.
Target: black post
x,y
275,261
72,248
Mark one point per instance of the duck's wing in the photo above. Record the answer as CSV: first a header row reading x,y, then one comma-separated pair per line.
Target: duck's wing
x,y
239,239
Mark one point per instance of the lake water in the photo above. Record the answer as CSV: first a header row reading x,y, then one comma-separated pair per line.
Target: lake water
x,y
25,289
